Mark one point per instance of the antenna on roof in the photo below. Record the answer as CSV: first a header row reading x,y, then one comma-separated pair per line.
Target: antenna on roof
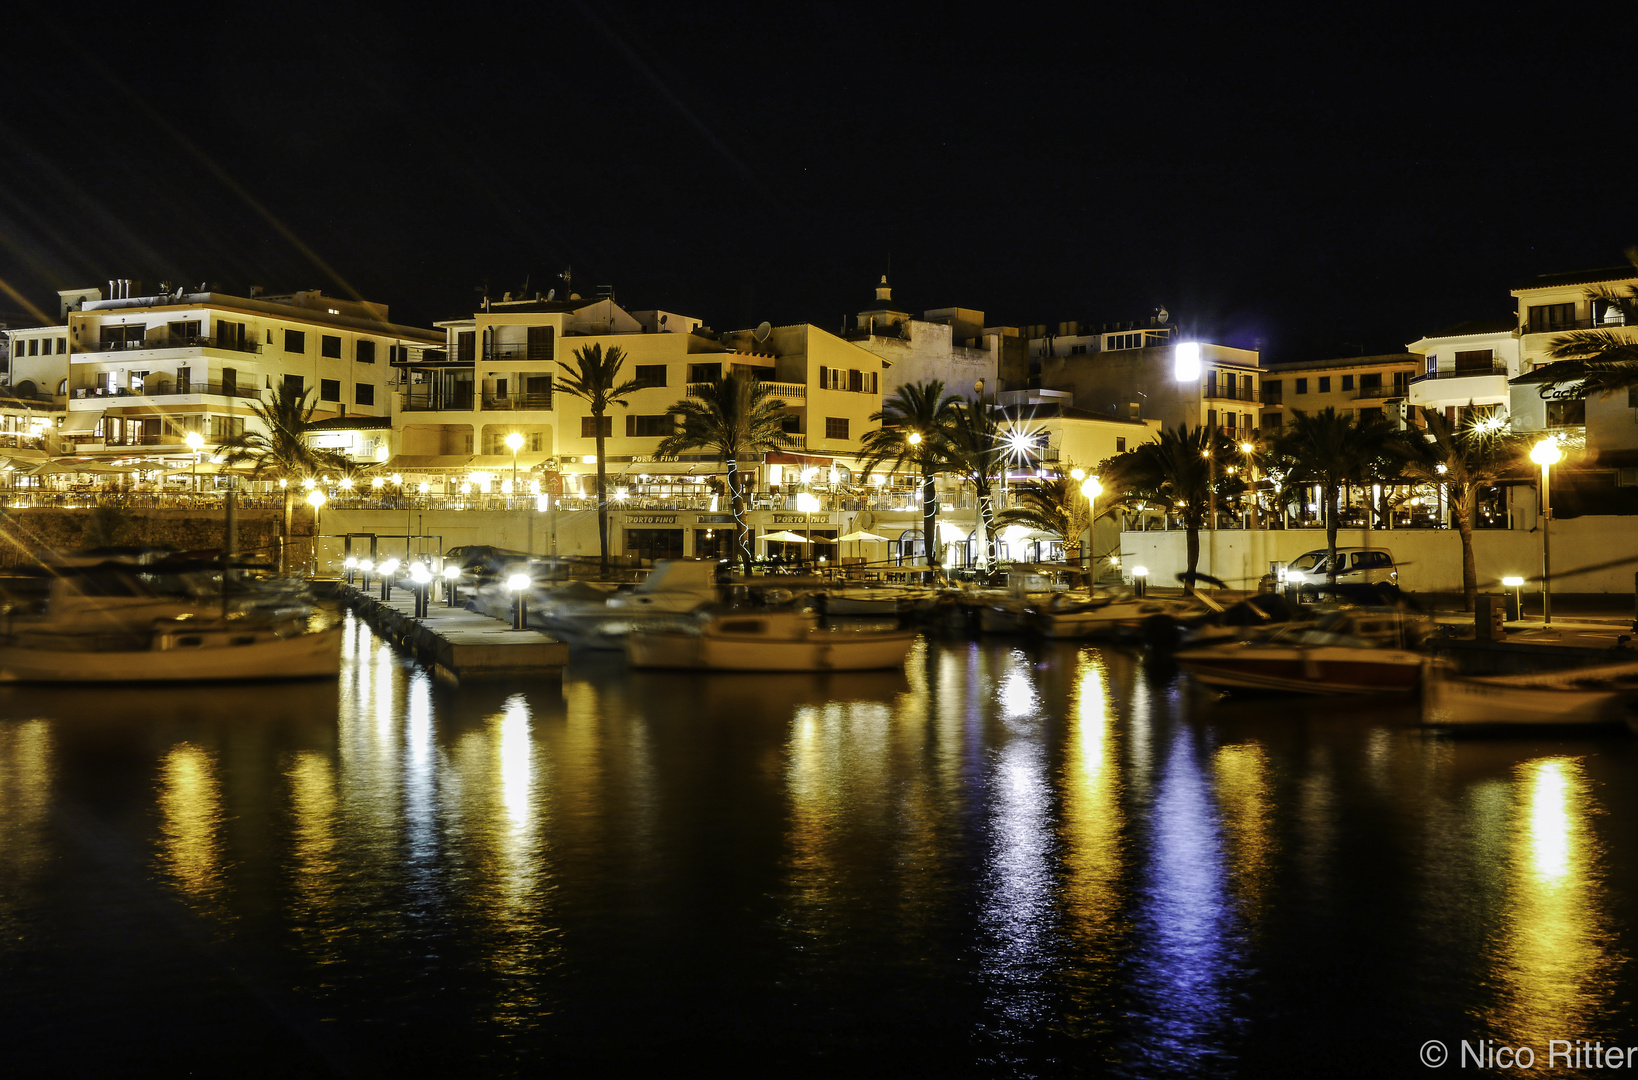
x,y
762,331
551,294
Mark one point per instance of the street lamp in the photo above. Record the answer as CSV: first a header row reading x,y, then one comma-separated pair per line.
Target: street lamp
x,y
1515,583
518,585
514,442
1246,449
316,500
422,578
1091,489
807,502
195,443
1546,453
452,575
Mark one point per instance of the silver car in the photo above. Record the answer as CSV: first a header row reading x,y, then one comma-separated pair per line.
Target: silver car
x,y
1310,572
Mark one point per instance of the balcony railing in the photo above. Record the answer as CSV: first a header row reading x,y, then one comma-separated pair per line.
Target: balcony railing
x,y
1231,393
1392,390
783,390
169,390
428,402
518,402
520,353
173,342
1495,368
1562,326
1273,397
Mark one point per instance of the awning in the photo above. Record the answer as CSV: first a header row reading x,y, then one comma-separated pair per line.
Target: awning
x,y
81,423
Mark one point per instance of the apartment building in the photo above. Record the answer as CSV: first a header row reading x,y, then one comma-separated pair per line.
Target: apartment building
x,y
1362,386
1466,366
1149,372
949,344
138,372
1544,395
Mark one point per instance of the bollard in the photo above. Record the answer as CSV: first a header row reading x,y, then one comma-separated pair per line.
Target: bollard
x,y
1488,618
520,612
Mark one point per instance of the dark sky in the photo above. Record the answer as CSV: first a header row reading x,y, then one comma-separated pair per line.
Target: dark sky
x,y
1332,183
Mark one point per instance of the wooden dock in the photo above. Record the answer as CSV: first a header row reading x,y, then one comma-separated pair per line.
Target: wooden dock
x,y
459,645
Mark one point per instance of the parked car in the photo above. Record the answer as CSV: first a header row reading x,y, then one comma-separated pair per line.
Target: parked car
x,y
1309,574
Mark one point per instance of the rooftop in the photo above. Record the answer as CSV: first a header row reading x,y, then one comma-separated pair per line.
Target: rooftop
x,y
1379,360
1580,277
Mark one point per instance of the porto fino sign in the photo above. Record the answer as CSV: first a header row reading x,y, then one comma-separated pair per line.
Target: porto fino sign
x,y
800,519
651,519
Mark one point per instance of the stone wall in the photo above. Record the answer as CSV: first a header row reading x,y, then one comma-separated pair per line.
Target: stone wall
x,y
29,532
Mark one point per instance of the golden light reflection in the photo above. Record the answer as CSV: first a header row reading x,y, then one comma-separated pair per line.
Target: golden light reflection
x,y
1555,969
25,794
1243,794
1091,830
190,806
313,806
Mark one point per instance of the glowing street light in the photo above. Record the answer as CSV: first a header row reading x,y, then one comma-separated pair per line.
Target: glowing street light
x,y
1546,453
1515,583
1091,489
518,586
452,579
196,442
514,442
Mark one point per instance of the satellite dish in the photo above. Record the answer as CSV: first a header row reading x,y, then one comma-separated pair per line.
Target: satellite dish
x,y
551,294
762,331
1162,315
662,319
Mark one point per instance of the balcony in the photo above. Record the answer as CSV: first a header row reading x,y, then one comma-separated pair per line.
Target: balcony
x,y
1494,368
1393,390
1273,397
782,390
97,393
517,402
1231,393
425,401
520,353
174,342
1564,326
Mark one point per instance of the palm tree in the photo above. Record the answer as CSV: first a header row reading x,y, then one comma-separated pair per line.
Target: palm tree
x,y
1176,471
1611,360
1462,459
914,432
736,417
594,379
1330,449
976,452
281,451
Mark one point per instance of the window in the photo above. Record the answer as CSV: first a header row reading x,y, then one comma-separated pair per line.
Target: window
x,y
1432,364
364,394
230,381
295,341
1546,318
588,427
1347,382
397,354
791,424
1477,360
62,346
704,372
1401,383
294,386
1370,382
1566,413
225,427
1120,445
540,343
46,342
649,427
329,389
1325,384
538,391
330,345
651,374
835,427
466,346
364,352
1273,421
1273,389
1375,410
1302,386
184,380
1077,350
34,346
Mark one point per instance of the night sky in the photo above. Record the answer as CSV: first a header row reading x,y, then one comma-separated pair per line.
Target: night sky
x,y
1327,184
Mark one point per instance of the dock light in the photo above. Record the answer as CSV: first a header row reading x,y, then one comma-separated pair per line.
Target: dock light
x,y
1513,582
452,582
365,567
422,578
1515,603
519,585
389,570
1140,580
351,566
1186,362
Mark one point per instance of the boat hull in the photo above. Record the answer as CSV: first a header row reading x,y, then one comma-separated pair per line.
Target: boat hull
x,y
1315,669
1456,701
303,656
819,651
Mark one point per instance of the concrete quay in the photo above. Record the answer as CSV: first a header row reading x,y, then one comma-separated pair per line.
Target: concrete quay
x,y
459,645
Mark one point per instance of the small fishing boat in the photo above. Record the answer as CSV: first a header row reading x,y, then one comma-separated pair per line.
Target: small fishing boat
x,y
186,648
1105,618
770,640
584,618
876,600
1030,587
1589,696
1349,651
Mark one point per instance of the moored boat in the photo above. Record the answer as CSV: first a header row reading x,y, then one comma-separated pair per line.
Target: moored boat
x,y
772,640
1589,696
182,649
1352,651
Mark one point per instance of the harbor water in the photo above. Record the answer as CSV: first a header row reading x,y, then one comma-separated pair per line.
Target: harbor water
x,y
1009,859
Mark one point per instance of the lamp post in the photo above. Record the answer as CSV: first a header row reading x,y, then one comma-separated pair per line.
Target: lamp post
x,y
914,439
514,442
1515,609
1546,453
1246,449
1092,489
423,580
807,502
316,500
518,584
196,442
452,576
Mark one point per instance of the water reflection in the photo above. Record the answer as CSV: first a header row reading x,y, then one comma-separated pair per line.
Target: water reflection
x,y
1553,965
190,805
25,805
1243,793
1186,916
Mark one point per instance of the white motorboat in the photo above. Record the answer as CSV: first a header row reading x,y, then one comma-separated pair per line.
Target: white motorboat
x,y
771,640
876,600
675,587
1351,651
186,648
1603,694
1030,587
